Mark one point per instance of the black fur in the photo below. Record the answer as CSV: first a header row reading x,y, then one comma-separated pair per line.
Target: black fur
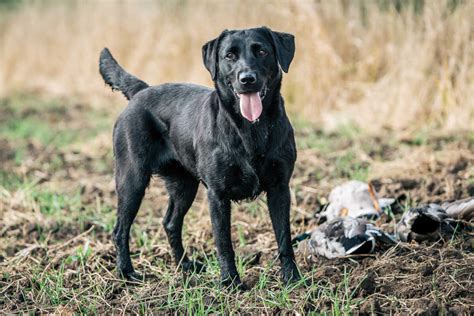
x,y
117,78
189,134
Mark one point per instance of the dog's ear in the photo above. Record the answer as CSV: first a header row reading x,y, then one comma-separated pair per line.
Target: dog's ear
x,y
210,52
284,44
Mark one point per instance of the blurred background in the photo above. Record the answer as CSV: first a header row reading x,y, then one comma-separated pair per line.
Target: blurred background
x,y
396,64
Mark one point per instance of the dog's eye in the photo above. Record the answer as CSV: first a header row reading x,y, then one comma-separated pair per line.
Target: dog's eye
x,y
262,52
230,56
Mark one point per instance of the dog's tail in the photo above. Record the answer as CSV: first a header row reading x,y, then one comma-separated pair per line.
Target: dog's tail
x,y
116,77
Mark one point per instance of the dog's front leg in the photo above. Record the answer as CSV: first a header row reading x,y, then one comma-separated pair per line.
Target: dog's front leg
x,y
278,199
220,218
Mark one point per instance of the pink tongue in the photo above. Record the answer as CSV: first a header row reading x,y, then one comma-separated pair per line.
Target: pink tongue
x,y
250,106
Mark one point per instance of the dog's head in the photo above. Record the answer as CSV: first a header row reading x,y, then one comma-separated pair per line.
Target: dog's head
x,y
245,66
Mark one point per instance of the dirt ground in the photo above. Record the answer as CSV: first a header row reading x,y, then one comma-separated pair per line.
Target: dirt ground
x,y
57,204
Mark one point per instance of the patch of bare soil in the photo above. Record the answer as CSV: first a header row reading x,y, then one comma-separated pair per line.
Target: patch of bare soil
x,y
410,278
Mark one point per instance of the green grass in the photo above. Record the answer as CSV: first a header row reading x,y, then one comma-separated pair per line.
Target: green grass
x,y
315,141
35,129
50,285
350,167
202,295
11,181
61,206
53,203
349,131
33,124
24,102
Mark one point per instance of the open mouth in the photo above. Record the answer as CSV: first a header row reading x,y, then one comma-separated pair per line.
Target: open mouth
x,y
251,103
262,93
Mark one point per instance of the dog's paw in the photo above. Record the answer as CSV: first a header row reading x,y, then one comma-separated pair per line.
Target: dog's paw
x,y
193,266
234,284
132,276
242,287
290,273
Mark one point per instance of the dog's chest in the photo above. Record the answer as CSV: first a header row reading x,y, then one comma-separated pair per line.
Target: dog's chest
x,y
253,141
236,162
242,166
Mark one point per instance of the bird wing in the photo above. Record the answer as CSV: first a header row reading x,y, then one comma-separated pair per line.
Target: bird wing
x,y
461,209
435,212
322,245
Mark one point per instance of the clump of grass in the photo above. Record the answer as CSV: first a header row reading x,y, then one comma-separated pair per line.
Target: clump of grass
x,y
42,129
349,166
26,131
52,202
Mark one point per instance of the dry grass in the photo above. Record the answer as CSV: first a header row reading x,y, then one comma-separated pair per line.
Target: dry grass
x,y
354,61
57,203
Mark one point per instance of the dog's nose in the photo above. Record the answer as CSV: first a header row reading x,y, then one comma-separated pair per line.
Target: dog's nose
x,y
247,77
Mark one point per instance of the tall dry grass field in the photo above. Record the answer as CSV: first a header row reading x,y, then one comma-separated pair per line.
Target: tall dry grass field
x,y
359,61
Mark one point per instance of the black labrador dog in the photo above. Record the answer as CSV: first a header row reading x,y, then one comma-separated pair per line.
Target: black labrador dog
x,y
236,140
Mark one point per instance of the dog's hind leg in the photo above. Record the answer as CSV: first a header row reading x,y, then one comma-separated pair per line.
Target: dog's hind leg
x,y
131,185
182,188
139,144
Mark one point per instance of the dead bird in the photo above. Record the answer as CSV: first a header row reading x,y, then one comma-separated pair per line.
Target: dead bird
x,y
461,209
421,223
354,199
344,236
